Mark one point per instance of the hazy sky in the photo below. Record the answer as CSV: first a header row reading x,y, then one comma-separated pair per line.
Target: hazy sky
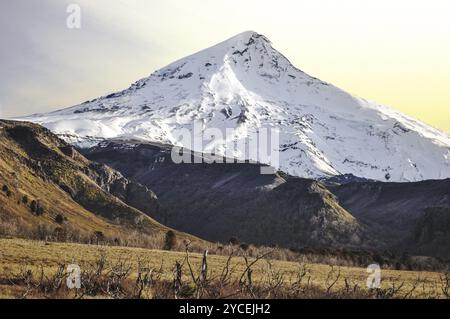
x,y
394,52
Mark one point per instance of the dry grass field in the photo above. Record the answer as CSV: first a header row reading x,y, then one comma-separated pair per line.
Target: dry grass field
x,y
35,269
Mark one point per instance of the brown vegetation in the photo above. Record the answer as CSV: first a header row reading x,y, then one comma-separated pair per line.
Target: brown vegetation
x,y
253,278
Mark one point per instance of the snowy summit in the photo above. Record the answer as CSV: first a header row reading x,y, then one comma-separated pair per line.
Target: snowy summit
x,y
245,84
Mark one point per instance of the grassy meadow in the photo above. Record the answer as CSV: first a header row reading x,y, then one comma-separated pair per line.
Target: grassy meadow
x,y
34,269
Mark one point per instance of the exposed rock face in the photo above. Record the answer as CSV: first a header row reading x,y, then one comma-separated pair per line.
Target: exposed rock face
x,y
131,193
69,151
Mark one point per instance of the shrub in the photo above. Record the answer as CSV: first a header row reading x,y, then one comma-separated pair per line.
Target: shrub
x,y
40,211
244,246
59,219
233,241
5,188
42,232
170,241
60,234
33,206
37,208
25,199
99,236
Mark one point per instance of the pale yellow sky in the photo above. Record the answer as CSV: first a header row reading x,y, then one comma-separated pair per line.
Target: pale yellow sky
x,y
394,52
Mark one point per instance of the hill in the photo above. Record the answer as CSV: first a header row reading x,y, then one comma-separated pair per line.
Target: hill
x,y
49,190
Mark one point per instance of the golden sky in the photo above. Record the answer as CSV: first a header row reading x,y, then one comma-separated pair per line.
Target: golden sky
x,y
394,52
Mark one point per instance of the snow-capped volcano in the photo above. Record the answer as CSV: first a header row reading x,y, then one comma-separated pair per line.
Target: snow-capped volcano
x,y
245,84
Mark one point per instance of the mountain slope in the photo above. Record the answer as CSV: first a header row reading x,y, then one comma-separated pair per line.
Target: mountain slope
x,y
432,233
220,201
244,84
394,207
50,188
217,201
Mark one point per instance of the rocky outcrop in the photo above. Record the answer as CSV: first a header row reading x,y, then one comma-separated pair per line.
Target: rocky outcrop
x,y
132,193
